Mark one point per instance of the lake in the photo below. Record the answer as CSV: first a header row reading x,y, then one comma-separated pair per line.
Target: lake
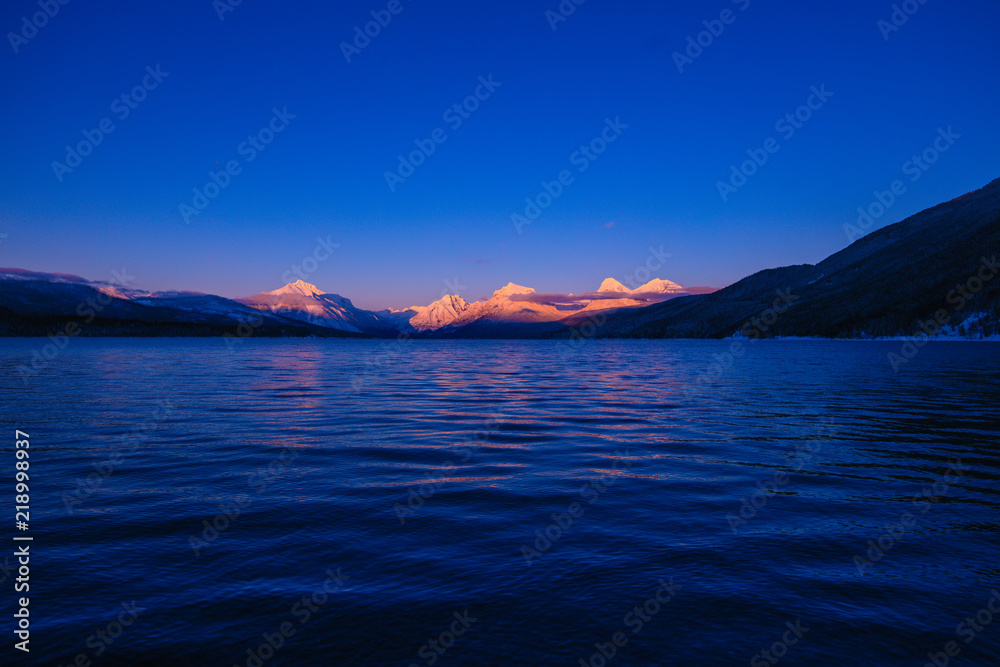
x,y
342,502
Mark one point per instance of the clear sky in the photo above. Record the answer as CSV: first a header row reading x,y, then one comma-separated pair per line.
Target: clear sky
x,y
448,226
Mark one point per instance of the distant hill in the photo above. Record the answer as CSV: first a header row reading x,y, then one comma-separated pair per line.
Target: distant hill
x,y
885,284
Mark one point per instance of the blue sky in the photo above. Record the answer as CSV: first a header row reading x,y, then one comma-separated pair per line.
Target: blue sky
x,y
448,227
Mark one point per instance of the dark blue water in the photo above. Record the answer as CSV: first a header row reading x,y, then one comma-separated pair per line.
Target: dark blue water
x,y
515,503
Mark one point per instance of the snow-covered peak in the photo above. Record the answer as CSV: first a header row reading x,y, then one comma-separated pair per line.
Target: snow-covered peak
x,y
658,286
299,287
443,311
452,302
612,285
511,289
503,307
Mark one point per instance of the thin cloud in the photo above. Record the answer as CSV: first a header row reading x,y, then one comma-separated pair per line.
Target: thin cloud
x,y
580,300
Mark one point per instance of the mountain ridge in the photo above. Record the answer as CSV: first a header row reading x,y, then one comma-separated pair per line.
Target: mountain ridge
x,y
887,283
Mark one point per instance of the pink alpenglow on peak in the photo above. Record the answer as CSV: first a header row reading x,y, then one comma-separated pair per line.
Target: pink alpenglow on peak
x,y
657,286
441,313
511,289
612,285
303,301
299,287
299,300
504,307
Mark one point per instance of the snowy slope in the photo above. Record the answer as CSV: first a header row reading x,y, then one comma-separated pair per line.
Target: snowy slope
x,y
612,285
504,306
303,301
657,286
441,313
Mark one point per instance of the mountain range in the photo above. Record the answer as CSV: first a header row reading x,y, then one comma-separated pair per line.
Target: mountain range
x,y
936,267
510,304
298,308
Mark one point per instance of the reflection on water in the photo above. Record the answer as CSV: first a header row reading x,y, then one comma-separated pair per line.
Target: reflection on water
x,y
544,490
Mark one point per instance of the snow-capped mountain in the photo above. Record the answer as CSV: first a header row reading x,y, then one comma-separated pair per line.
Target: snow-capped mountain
x,y
306,302
644,294
518,304
657,286
32,302
505,306
654,286
441,313
300,301
426,318
298,288
612,285
842,296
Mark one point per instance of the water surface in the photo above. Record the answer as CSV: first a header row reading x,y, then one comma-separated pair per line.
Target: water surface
x,y
537,492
